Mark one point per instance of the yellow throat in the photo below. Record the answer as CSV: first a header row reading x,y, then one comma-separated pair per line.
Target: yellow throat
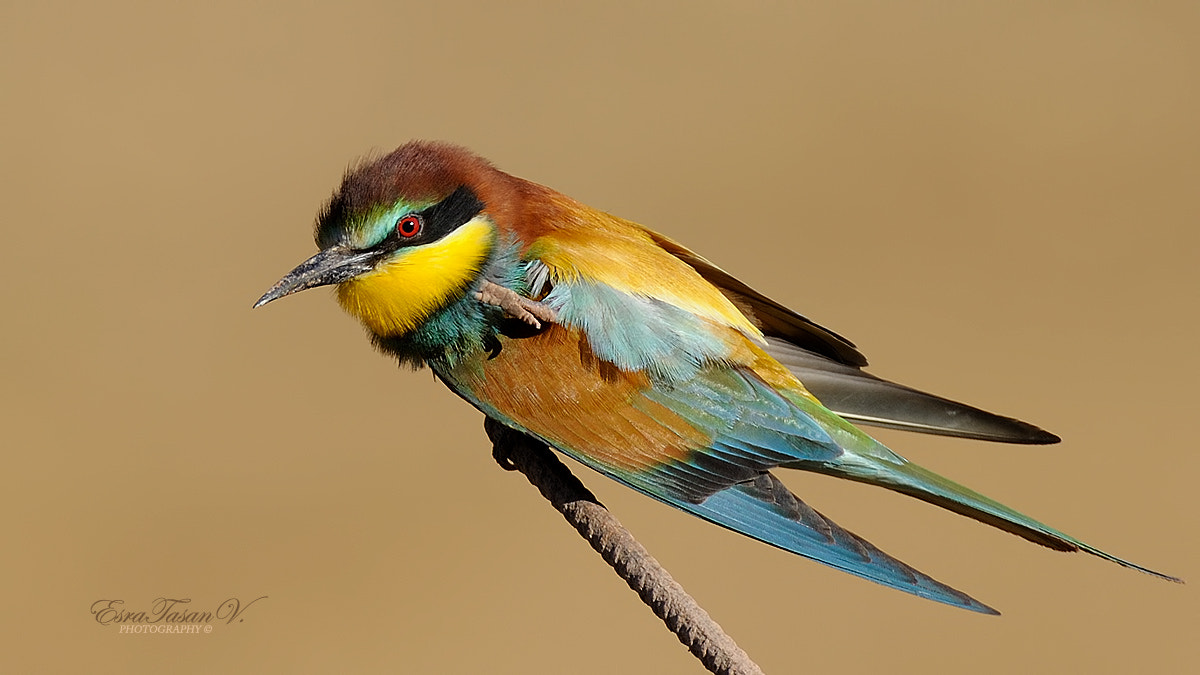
x,y
405,290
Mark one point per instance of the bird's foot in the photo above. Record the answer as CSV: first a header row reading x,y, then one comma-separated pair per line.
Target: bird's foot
x,y
502,446
503,456
515,305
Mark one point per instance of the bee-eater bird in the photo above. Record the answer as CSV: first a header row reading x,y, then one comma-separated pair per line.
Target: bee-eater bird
x,y
635,356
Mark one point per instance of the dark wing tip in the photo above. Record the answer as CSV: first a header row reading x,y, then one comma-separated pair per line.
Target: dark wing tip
x,y
866,399
966,422
1034,435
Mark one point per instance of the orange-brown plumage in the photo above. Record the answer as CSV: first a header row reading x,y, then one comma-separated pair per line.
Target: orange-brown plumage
x,y
550,381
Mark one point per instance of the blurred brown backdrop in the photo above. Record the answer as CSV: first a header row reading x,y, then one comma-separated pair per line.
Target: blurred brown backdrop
x,y
997,201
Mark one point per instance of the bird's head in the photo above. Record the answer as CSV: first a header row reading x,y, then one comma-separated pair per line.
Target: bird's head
x,y
405,235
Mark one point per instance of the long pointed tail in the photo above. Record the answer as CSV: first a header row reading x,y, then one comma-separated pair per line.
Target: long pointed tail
x,y
877,465
930,487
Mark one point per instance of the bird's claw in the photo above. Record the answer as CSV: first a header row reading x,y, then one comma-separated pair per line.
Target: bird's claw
x,y
503,456
516,305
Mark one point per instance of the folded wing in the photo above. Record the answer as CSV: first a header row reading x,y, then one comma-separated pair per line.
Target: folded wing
x,y
830,366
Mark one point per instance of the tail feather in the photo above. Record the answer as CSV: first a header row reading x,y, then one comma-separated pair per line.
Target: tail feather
x,y
765,509
916,481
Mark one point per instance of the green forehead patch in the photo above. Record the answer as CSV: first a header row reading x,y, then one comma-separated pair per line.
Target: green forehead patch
x,y
337,224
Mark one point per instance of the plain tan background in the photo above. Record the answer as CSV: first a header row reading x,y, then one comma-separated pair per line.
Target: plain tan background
x,y
996,201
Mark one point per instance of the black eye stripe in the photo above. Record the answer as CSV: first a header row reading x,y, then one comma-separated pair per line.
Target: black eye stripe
x,y
436,221
461,206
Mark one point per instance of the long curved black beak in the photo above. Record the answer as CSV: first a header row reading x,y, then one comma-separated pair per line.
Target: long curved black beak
x,y
331,266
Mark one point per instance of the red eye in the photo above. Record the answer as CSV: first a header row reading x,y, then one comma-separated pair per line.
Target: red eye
x,y
408,226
